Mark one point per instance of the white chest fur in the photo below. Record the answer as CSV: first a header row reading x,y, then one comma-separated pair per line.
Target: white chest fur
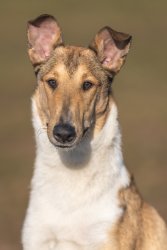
x,y
74,199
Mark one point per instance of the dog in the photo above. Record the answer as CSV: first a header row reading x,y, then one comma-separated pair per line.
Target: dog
x,y
82,195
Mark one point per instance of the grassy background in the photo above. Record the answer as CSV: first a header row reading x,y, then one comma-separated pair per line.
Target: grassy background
x,y
140,91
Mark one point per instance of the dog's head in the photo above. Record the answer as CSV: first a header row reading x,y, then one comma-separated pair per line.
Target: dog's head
x,y
74,83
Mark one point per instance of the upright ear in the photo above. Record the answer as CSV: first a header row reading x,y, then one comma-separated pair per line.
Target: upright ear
x,y
111,48
44,34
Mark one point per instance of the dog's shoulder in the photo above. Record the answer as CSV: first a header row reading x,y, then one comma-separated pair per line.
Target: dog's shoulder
x,y
140,227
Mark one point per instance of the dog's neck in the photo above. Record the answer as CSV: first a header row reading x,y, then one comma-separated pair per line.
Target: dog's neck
x,y
102,154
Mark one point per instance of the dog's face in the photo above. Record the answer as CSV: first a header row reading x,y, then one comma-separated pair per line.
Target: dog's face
x,y
74,83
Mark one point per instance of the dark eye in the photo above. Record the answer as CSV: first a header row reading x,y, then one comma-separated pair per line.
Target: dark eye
x,y
87,85
52,83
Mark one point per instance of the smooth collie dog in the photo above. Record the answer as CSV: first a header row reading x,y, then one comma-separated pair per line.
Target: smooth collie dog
x,y
82,196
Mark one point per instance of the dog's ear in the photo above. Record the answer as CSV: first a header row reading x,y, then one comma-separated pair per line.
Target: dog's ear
x,y
111,48
44,34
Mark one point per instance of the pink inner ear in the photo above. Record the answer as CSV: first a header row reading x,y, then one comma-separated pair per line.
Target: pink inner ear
x,y
43,38
44,43
111,53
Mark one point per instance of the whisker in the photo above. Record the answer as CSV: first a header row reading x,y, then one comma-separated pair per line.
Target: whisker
x,y
41,130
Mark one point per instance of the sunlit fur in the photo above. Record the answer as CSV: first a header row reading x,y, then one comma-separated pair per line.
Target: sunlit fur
x,y
82,197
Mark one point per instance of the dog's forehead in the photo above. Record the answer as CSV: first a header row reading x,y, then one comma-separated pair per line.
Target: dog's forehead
x,y
72,57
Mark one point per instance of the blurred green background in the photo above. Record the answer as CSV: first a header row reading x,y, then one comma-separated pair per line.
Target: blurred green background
x,y
140,90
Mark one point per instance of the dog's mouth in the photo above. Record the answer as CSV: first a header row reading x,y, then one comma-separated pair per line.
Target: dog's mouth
x,y
64,147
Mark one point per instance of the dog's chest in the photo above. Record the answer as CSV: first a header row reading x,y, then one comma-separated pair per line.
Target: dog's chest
x,y
83,217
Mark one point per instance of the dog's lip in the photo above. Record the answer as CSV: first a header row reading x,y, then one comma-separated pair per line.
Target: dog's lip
x,y
85,130
64,146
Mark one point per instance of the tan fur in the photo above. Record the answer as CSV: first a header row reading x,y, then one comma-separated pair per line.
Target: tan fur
x,y
69,77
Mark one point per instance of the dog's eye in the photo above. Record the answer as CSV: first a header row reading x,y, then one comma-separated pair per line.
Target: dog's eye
x,y
87,85
52,83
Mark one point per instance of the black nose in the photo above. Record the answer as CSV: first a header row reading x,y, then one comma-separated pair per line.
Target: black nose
x,y
64,133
